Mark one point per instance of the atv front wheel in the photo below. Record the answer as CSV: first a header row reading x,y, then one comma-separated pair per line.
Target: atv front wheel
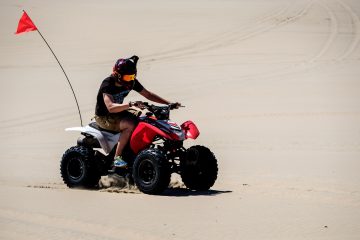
x,y
199,168
78,169
151,171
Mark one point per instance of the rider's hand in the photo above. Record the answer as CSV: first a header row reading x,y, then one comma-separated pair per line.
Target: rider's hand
x,y
176,105
139,104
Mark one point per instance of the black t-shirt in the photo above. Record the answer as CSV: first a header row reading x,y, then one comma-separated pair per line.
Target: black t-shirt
x,y
118,93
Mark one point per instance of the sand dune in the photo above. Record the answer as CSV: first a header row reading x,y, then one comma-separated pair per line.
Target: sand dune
x,y
272,85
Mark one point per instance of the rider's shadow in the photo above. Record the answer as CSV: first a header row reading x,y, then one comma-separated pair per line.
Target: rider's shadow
x,y
184,192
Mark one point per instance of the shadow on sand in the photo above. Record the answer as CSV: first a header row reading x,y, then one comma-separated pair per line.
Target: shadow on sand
x,y
184,192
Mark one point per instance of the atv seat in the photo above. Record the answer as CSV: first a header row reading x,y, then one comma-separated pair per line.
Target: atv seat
x,y
94,125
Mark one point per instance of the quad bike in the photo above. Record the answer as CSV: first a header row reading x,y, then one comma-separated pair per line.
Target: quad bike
x,y
155,150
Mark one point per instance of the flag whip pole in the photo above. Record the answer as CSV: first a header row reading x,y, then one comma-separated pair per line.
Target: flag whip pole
x,y
77,104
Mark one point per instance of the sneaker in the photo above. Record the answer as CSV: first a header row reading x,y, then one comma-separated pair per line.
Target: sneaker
x,y
119,163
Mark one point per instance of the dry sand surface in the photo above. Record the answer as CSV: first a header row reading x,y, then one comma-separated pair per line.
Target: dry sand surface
x,y
273,86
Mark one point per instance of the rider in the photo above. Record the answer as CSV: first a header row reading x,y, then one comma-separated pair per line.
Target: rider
x,y
110,112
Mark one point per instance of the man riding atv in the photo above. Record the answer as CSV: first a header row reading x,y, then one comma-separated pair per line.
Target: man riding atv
x,y
146,148
111,111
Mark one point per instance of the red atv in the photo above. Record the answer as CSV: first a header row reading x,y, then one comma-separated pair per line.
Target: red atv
x,y
155,150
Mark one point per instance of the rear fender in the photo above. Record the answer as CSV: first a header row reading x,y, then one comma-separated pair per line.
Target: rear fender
x,y
107,140
190,129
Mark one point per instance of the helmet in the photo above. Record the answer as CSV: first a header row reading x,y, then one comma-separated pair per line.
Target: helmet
x,y
126,66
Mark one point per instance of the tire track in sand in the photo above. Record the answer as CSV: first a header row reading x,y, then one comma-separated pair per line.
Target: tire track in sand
x,y
286,20
302,65
314,61
218,37
334,30
311,62
356,31
239,36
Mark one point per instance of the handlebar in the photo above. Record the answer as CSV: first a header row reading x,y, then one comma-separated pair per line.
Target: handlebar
x,y
161,112
170,106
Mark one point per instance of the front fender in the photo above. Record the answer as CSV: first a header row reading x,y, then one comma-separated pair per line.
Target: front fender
x,y
190,129
144,135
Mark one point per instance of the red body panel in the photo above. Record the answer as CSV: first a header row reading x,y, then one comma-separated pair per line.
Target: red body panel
x,y
144,135
191,131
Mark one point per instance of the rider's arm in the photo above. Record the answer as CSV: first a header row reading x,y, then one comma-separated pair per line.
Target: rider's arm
x,y
113,107
153,97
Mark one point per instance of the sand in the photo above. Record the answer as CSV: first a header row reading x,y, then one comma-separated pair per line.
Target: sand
x,y
272,85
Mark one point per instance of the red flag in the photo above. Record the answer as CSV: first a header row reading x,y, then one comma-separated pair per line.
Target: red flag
x,y
25,24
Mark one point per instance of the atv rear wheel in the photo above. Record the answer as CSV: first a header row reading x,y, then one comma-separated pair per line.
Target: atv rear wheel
x,y
199,168
78,169
151,171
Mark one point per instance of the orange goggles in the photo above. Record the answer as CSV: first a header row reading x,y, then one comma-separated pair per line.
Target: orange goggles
x,y
128,78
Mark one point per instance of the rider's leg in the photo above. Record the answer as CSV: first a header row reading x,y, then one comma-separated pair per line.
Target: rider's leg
x,y
126,127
